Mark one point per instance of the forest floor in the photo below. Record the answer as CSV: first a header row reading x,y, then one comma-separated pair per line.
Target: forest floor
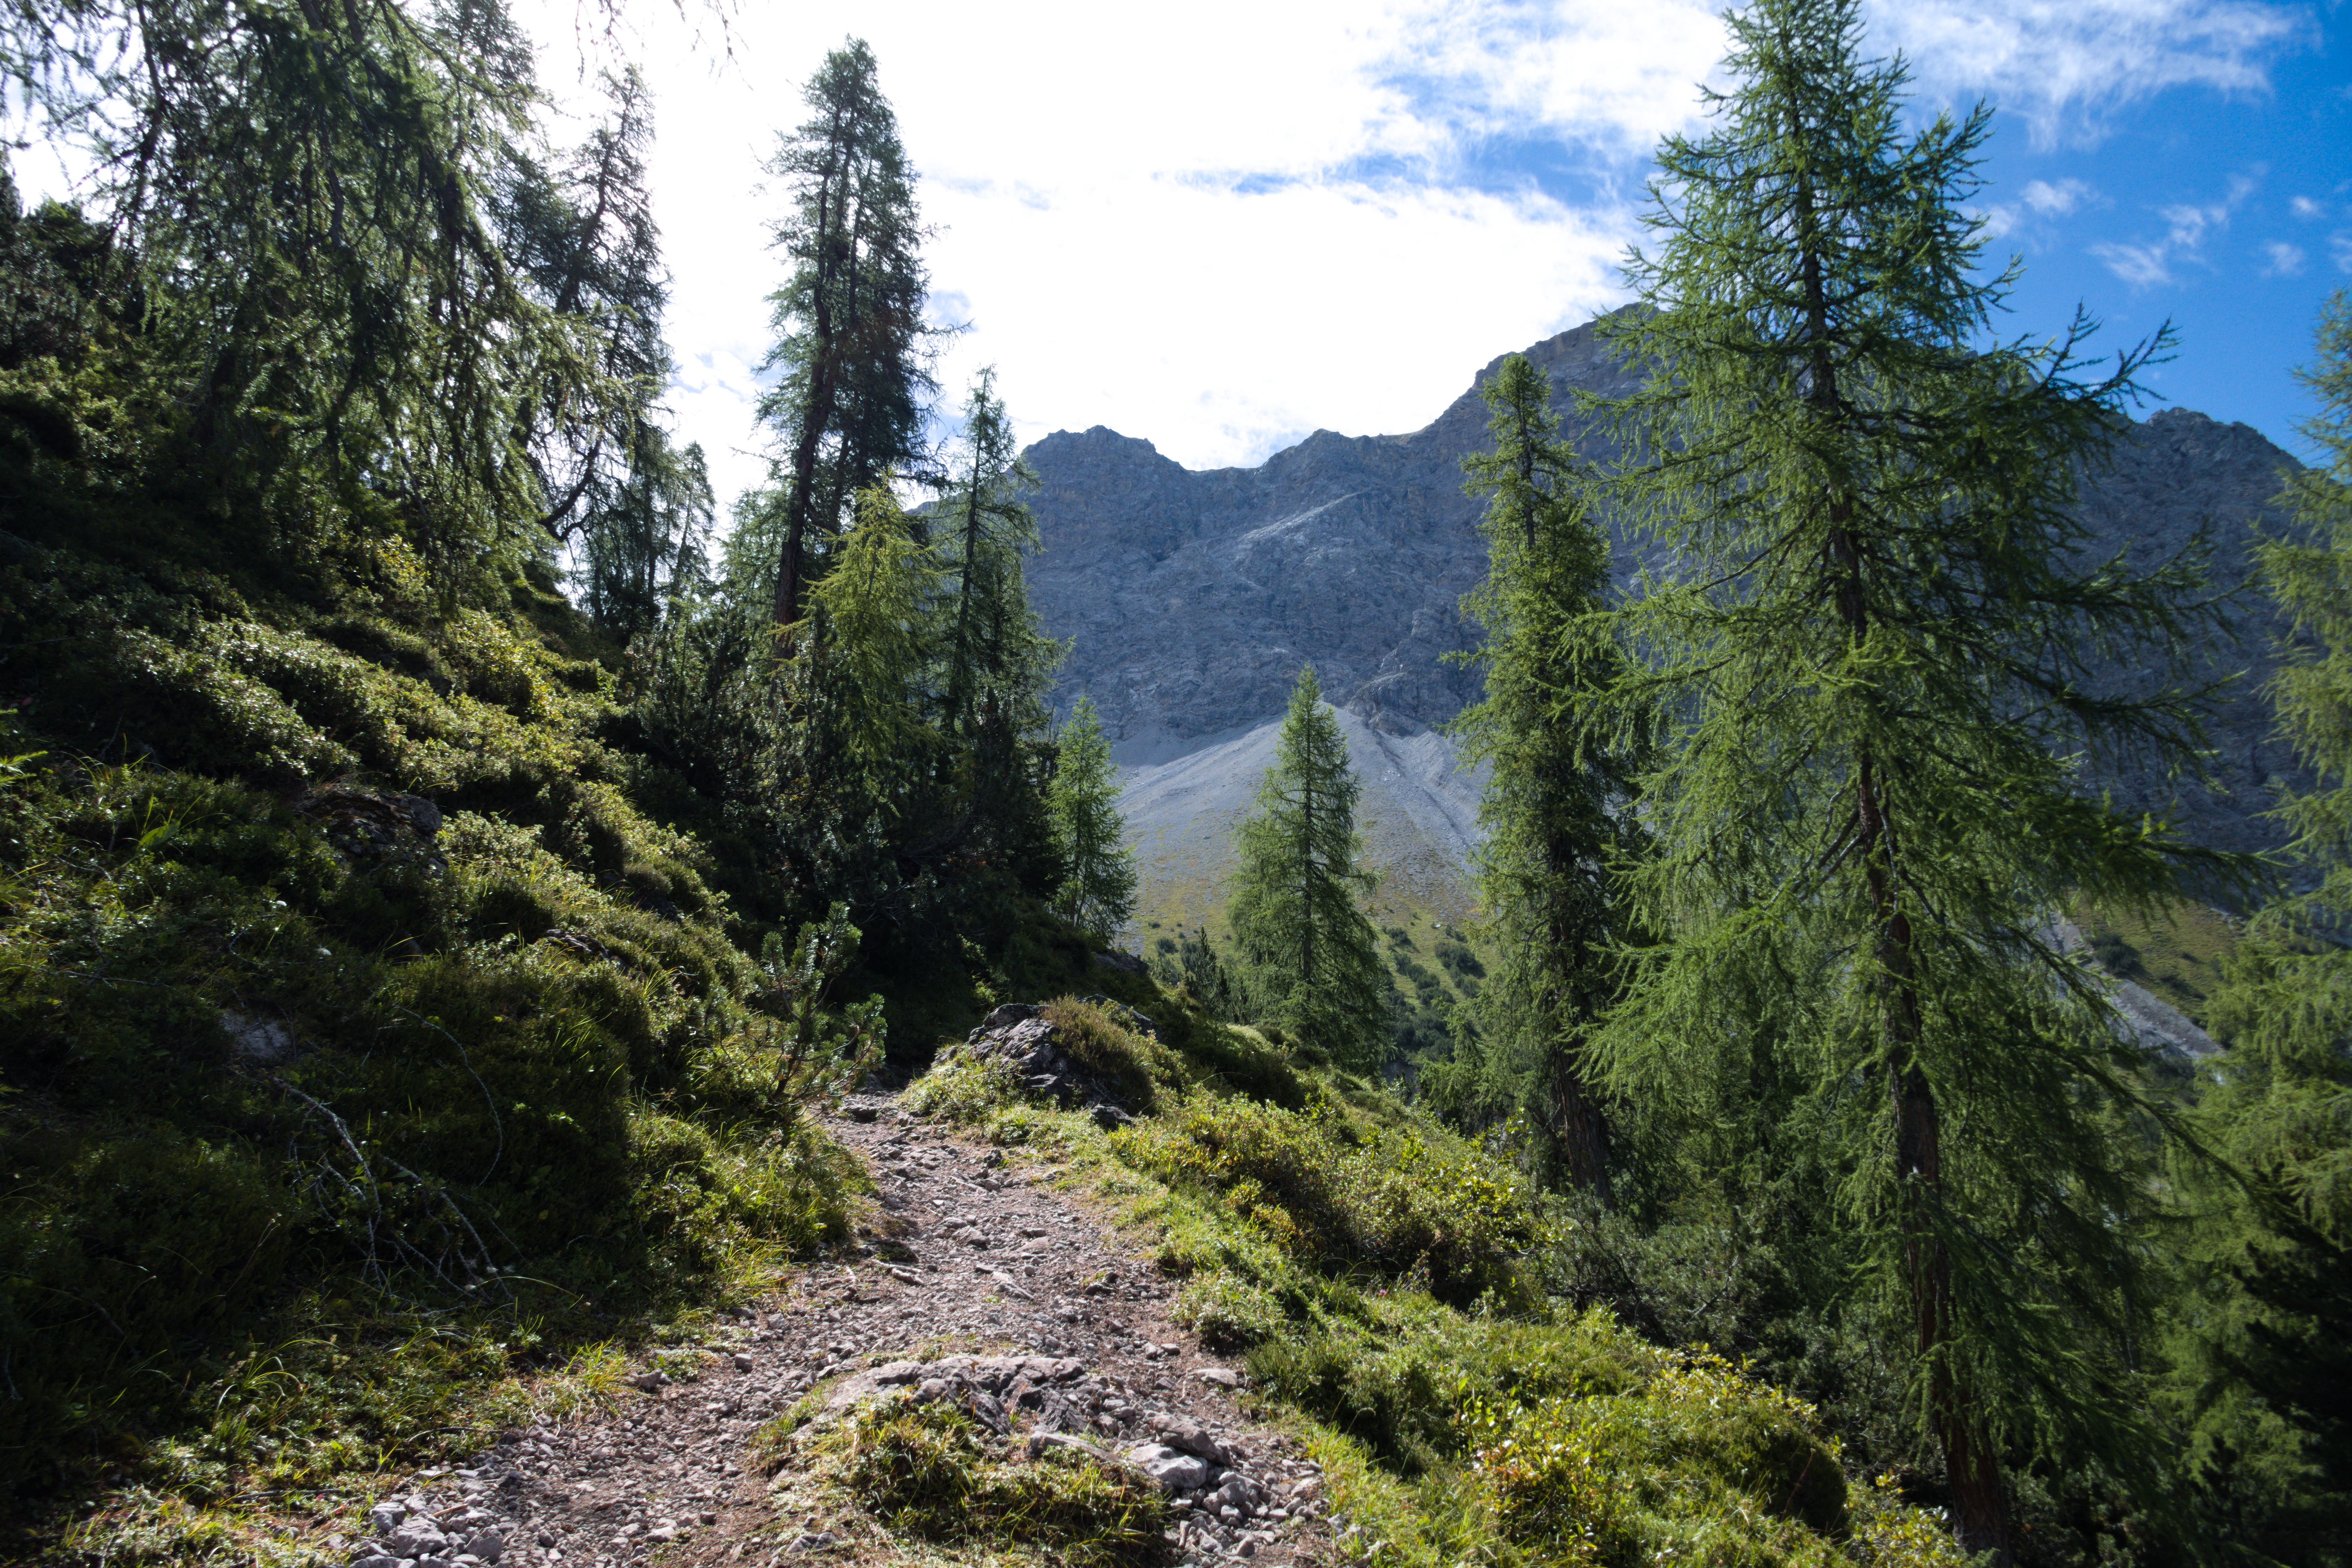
x,y
989,1282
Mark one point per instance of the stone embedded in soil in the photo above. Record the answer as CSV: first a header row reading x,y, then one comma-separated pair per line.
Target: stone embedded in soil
x,y
658,1477
1184,1433
1175,1470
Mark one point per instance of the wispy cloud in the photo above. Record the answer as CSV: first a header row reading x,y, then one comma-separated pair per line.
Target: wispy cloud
x,y
1220,244
2038,198
2286,260
2304,207
2068,69
2055,200
2150,262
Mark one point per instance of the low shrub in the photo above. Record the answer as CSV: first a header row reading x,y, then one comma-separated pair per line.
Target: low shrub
x,y
965,1090
1227,1312
923,1471
1108,1045
1411,1202
1698,1464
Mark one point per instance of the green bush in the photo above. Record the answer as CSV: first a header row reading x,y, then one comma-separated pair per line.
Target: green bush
x,y
921,1469
1413,1202
1698,1464
1138,1063
1229,1312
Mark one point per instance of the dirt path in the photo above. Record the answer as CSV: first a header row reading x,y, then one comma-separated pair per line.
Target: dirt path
x,y
974,1259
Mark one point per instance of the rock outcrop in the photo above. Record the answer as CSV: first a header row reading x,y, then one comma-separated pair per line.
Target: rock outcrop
x,y
1191,598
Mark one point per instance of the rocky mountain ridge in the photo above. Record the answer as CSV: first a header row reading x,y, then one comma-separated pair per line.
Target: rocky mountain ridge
x,y
1192,597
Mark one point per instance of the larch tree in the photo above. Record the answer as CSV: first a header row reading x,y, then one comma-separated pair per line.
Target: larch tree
x,y
2282,1109
1873,668
1097,892
850,336
992,527
300,199
1313,963
1557,806
579,231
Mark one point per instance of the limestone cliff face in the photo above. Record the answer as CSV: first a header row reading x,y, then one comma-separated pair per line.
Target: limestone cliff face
x,y
1193,597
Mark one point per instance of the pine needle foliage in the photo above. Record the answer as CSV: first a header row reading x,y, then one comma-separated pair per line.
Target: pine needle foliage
x,y
850,335
2282,1109
2288,1010
298,198
1557,806
1871,671
1313,959
1098,891
579,230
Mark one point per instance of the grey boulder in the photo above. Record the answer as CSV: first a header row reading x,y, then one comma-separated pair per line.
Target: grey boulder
x,y
1175,1470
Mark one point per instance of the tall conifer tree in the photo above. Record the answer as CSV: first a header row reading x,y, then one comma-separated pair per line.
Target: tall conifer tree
x,y
849,320
1871,665
580,230
992,526
1098,886
2284,1107
1311,953
1557,806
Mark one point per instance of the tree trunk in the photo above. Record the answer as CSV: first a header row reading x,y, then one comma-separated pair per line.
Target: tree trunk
x,y
1578,1125
1980,1512
1307,887
959,677
1577,1121
817,414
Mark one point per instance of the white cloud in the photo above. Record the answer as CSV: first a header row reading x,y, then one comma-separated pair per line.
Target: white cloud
x,y
1213,246
2304,207
2054,200
2141,266
2186,224
2339,250
2044,199
1221,226
2067,69
2286,260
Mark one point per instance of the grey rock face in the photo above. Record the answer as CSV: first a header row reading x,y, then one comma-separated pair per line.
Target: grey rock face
x,y
1192,598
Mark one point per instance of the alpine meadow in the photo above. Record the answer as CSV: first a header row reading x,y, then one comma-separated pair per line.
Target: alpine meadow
x,y
983,1002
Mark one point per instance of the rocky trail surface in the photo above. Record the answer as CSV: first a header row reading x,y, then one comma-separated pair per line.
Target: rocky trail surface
x,y
986,1284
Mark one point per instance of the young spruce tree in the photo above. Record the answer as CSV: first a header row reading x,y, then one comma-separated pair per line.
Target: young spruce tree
x,y
1311,954
1099,889
1871,666
1557,806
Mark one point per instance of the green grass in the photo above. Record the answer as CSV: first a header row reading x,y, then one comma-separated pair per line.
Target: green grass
x,y
1385,1284
2175,953
925,1471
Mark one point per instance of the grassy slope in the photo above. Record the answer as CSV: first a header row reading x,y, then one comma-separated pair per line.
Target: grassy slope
x,y
1388,1288
329,1139
2178,954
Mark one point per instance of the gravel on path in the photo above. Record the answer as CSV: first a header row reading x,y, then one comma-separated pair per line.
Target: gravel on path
x,y
970,1254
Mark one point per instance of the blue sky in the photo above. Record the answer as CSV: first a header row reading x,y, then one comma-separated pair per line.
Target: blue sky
x,y
1223,226
2229,215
